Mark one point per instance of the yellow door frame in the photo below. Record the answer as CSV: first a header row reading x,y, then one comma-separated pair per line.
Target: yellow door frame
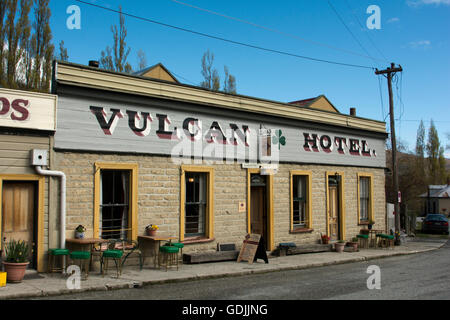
x,y
39,207
269,190
341,190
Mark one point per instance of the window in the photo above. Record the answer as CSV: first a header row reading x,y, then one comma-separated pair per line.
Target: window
x,y
365,198
197,208
114,204
300,200
115,207
195,212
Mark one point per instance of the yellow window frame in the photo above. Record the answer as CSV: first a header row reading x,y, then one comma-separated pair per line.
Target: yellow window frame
x,y
132,213
209,228
370,214
308,176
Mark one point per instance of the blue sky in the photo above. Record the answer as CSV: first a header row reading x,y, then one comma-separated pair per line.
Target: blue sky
x,y
413,33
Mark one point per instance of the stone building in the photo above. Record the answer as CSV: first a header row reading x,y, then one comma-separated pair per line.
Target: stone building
x,y
210,167
27,123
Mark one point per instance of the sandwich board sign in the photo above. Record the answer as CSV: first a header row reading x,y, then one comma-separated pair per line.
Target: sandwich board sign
x,y
252,249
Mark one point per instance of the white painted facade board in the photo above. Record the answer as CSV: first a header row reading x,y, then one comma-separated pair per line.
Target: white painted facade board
x,y
88,124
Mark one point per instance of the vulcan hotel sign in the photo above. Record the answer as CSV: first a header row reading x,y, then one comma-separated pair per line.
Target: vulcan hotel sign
x,y
89,125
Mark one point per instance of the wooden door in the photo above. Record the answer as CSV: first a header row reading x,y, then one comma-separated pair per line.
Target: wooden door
x,y
257,211
333,212
18,208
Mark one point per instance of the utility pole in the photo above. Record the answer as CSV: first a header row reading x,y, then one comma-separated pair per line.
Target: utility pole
x,y
389,72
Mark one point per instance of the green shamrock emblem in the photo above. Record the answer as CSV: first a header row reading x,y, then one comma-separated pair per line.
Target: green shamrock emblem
x,y
279,139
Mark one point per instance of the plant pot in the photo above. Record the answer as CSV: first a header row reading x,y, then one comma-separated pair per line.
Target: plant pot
x,y
324,241
151,232
15,271
79,235
339,246
353,245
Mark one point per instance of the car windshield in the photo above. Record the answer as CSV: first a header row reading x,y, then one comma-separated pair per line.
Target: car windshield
x,y
435,217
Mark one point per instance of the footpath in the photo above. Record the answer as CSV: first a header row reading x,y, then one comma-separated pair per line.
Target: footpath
x,y
41,284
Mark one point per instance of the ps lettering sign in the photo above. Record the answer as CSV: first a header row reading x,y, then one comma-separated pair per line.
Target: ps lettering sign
x,y
16,109
28,110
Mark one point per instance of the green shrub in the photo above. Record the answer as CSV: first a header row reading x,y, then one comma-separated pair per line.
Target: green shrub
x,y
17,251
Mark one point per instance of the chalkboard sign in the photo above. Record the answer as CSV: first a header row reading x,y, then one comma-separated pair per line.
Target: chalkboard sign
x,y
252,249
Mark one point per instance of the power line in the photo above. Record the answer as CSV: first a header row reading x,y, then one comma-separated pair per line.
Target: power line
x,y
272,30
227,40
348,29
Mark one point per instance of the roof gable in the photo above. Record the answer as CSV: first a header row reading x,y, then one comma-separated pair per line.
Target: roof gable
x,y
320,103
158,71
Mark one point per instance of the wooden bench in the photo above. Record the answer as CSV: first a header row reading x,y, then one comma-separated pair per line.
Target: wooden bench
x,y
310,248
212,256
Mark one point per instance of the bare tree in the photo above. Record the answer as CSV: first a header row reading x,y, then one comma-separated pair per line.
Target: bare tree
x,y
142,59
115,59
229,84
63,55
210,75
42,49
2,40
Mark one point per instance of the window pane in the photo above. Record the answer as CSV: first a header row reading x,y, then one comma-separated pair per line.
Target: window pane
x,y
114,207
299,201
364,193
195,204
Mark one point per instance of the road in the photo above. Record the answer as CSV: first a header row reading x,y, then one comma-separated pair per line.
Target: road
x,y
424,276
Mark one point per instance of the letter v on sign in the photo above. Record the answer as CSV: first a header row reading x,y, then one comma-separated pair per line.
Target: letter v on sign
x,y
107,127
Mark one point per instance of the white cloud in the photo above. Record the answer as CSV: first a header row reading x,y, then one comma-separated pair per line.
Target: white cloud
x,y
420,44
416,3
392,20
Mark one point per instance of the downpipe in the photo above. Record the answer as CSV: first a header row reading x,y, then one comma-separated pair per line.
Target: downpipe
x,y
62,175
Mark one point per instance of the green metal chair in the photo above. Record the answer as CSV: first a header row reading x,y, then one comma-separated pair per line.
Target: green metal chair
x,y
84,258
112,253
168,256
363,240
52,255
180,246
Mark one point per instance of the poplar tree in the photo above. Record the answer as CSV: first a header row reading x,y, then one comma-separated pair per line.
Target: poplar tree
x,y
420,153
115,59
41,47
2,40
229,84
433,151
63,55
211,79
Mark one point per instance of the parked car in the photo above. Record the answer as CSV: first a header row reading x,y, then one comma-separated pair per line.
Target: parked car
x,y
435,223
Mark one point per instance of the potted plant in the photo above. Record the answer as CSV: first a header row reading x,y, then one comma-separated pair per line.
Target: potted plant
x,y
16,260
151,229
325,239
79,232
353,243
371,223
339,246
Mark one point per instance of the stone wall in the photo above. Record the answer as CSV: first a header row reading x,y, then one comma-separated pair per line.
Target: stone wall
x,y
159,197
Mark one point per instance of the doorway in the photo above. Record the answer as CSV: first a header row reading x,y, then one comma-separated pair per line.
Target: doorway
x,y
19,214
334,207
258,206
